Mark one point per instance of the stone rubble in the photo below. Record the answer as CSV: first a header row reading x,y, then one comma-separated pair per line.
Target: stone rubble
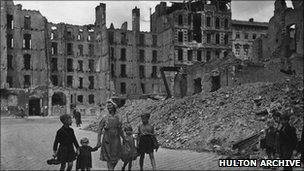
x,y
215,121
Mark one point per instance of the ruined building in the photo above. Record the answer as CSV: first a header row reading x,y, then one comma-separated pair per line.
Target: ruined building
x,y
135,60
244,33
57,66
24,62
285,36
192,32
53,67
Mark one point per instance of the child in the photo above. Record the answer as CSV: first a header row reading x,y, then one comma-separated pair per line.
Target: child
x,y
66,138
129,152
84,159
271,139
147,141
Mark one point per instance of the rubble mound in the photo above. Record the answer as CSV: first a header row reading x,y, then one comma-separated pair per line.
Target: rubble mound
x,y
215,121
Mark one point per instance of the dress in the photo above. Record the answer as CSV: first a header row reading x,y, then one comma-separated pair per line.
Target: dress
x,y
145,144
66,138
111,142
129,151
84,159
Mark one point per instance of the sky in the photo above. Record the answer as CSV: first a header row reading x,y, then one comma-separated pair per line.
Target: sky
x,y
117,12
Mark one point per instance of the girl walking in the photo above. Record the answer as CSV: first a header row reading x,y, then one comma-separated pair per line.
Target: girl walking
x,y
84,159
147,141
129,152
65,137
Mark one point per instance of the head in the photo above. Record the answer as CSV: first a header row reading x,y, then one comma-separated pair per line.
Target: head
x,y
111,106
270,123
128,130
285,119
84,141
66,119
276,116
145,118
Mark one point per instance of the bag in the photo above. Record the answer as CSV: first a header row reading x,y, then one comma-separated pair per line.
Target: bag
x,y
155,143
53,161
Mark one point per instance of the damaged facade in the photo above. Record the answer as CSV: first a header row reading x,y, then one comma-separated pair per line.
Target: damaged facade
x,y
189,33
284,40
55,66
24,65
135,60
190,48
244,33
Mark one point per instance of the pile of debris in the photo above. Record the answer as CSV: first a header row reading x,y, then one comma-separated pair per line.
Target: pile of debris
x,y
215,121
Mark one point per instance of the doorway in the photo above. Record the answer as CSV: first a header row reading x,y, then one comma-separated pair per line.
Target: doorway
x,y
197,85
215,83
34,107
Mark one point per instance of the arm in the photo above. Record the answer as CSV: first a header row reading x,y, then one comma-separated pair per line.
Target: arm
x,y
95,148
75,142
101,126
56,143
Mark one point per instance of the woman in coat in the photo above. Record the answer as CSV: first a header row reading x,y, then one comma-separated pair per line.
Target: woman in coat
x,y
111,142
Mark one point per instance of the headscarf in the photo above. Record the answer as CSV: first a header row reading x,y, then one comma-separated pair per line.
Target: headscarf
x,y
111,101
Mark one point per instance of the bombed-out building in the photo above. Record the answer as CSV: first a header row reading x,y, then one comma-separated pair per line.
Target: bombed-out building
x,y
24,62
191,32
51,68
135,60
244,33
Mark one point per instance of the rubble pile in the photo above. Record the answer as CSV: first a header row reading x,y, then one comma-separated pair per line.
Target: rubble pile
x,y
215,121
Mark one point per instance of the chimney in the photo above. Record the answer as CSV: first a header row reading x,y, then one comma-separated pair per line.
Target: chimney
x,y
251,20
135,19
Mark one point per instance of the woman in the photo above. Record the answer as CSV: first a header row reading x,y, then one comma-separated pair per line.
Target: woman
x,y
111,142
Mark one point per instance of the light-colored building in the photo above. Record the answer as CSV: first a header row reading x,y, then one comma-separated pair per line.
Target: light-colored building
x,y
244,33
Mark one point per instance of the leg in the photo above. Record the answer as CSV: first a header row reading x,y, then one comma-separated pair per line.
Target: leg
x,y
62,167
141,161
151,155
130,165
88,169
70,165
124,166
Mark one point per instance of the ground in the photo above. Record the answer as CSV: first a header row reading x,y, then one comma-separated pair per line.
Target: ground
x,y
26,144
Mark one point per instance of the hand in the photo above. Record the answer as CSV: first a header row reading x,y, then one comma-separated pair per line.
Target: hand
x,y
77,151
98,144
54,153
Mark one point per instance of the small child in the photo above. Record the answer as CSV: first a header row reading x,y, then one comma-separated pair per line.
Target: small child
x,y
129,151
147,141
271,139
66,138
84,159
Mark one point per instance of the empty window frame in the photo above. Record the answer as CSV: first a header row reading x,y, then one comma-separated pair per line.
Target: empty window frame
x,y
91,99
142,71
54,79
123,71
190,55
27,41
123,89
27,61
54,64
91,65
69,81
54,49
123,54
180,55
141,55
27,81
154,56
27,22
91,82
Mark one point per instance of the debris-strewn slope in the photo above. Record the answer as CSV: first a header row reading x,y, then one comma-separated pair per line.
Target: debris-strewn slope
x,y
214,121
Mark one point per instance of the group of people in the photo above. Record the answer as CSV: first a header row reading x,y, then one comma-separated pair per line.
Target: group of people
x,y
281,140
118,143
